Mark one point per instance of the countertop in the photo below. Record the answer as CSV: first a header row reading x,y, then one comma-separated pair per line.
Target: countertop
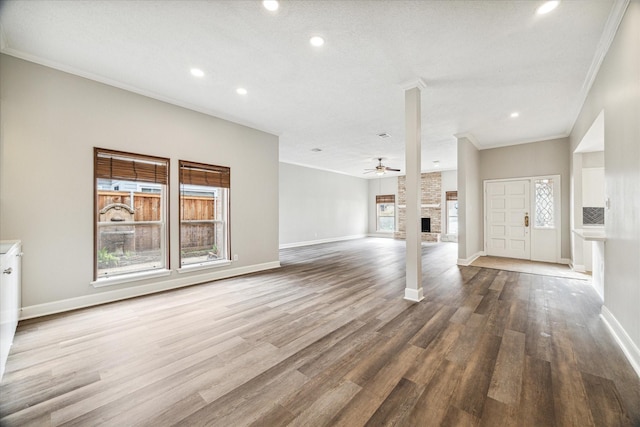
x,y
6,245
595,234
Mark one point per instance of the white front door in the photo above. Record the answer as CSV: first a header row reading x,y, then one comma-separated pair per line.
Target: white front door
x,y
507,212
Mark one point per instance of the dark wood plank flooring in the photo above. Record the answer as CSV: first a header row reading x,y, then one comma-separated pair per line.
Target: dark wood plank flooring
x,y
327,340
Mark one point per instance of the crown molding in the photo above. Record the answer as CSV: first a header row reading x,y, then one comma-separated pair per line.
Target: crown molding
x,y
525,141
470,137
123,86
323,169
608,34
412,84
476,144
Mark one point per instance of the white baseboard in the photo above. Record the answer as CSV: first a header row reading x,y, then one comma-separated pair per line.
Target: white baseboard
x,y
565,261
382,235
579,268
468,261
415,295
179,281
629,348
317,242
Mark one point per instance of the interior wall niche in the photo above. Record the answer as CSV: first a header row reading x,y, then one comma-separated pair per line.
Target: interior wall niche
x,y
430,201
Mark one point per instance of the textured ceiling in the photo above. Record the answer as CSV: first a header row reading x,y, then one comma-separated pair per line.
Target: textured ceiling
x,y
481,60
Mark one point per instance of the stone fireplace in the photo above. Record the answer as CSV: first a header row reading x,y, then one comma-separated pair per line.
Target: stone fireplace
x,y
431,199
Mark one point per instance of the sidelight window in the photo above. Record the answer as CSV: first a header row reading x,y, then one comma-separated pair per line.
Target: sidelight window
x,y
544,203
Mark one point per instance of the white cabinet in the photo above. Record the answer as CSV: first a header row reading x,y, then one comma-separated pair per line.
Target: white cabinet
x,y
10,296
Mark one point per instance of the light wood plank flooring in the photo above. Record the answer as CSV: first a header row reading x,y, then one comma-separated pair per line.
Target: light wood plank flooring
x,y
328,340
526,266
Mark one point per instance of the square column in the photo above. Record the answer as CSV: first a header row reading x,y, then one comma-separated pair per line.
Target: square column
x,y
413,152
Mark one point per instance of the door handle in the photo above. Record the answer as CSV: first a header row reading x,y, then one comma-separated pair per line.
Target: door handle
x,y
7,271
526,219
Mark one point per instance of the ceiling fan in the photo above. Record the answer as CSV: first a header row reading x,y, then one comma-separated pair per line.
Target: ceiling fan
x,y
381,169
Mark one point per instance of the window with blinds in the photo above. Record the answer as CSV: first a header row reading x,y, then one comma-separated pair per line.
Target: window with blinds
x,y
131,216
452,212
204,213
386,213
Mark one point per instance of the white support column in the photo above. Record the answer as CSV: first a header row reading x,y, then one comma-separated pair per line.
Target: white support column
x,y
413,290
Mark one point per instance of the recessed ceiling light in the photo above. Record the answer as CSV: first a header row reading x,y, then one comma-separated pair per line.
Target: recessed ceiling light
x,y
316,41
197,72
316,150
547,7
241,91
271,5
436,163
384,135
515,114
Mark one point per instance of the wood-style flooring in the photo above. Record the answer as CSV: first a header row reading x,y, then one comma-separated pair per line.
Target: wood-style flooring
x,y
327,340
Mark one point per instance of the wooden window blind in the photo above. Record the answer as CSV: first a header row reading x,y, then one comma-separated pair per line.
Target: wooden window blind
x,y
207,175
130,167
452,195
391,198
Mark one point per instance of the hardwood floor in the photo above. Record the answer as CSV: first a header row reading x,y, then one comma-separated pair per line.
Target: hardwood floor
x,y
328,340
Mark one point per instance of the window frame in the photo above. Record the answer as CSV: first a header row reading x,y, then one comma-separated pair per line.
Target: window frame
x,y
160,176
450,196
535,210
217,178
388,199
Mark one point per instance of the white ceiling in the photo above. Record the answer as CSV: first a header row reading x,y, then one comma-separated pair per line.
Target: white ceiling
x,y
481,60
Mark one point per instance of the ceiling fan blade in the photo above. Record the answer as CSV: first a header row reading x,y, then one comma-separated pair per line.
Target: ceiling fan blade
x,y
392,169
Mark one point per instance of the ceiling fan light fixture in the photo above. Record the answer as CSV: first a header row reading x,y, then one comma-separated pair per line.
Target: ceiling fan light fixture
x,y
381,169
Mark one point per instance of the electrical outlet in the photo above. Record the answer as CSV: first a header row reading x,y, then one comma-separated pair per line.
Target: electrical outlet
x,y
235,257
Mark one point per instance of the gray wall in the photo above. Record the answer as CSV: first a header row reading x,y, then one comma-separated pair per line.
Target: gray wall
x,y
594,159
470,232
616,89
50,123
318,206
534,159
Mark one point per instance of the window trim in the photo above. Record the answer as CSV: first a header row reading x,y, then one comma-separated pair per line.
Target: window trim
x,y
534,208
386,199
160,177
209,176
450,196
130,277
